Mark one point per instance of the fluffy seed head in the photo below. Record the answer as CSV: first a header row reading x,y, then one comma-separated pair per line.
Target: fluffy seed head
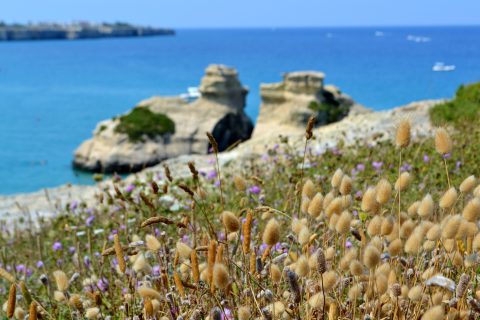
x,y
369,202
302,268
335,207
275,273
471,212
371,257
220,275
92,313
415,293
434,233
413,243
448,199
451,227
382,284
152,243
240,183
61,280
271,234
244,313
402,138
443,142
146,292
12,298
337,178
375,226
468,184
403,181
387,226
230,221
395,247
315,206
343,223
356,268
308,189
247,232
183,250
346,185
304,235
119,253
425,209
384,191
435,313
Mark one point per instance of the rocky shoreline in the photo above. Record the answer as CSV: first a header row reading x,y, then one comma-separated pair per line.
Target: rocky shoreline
x,y
81,30
368,127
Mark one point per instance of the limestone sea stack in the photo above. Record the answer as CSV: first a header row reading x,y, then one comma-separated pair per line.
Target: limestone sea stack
x,y
165,127
287,105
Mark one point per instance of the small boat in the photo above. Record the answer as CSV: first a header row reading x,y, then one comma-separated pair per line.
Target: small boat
x,y
442,67
192,94
418,39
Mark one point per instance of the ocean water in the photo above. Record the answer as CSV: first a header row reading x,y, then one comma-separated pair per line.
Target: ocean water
x,y
52,93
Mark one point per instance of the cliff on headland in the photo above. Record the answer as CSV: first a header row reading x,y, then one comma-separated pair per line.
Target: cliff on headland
x,y
82,30
219,110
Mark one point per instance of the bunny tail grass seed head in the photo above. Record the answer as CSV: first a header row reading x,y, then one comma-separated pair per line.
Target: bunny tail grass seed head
x,y
471,212
183,250
425,209
308,189
239,183
92,313
448,199
369,202
346,185
434,313
152,243
61,280
244,313
443,142
402,138
384,191
315,205
468,185
145,292
403,181
271,234
371,257
220,276
337,178
230,221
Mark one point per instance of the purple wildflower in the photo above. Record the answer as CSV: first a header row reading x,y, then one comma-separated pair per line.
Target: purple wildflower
x,y
20,268
377,165
426,158
255,189
212,174
73,205
360,167
40,264
130,188
57,246
89,220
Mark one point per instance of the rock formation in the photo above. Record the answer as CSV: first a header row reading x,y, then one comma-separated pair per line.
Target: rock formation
x,y
219,110
287,105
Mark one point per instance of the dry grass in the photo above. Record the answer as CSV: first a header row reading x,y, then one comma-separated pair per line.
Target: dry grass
x,y
346,234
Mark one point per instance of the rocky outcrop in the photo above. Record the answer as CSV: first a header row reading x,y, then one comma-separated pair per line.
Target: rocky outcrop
x,y
287,105
219,110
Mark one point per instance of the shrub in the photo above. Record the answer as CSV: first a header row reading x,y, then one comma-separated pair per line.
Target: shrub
x,y
141,122
333,112
464,108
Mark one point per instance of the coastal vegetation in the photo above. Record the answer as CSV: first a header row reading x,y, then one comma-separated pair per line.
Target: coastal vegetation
x,y
463,109
331,112
142,122
384,231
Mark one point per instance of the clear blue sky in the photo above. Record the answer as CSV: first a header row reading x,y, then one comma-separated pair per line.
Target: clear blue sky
x,y
248,13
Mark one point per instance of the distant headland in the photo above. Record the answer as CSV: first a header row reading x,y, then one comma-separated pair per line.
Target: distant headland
x,y
76,30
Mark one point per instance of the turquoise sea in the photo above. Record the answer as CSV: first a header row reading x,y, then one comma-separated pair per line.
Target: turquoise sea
x,y
52,93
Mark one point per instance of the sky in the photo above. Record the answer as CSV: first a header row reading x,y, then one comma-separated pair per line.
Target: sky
x,y
248,13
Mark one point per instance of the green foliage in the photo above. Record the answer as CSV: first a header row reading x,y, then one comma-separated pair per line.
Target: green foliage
x,y
463,109
333,112
141,121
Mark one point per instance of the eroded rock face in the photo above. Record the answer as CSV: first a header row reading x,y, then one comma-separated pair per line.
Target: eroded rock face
x,y
287,105
219,110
